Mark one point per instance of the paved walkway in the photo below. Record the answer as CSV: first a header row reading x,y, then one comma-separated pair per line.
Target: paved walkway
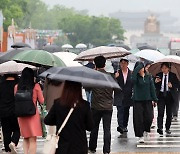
x,y
127,143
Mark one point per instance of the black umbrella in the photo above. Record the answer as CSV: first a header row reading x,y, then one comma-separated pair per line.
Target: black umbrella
x,y
146,46
52,48
20,45
6,56
88,77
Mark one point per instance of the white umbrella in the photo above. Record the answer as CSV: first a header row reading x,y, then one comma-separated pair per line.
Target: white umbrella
x,y
68,58
151,55
81,46
106,51
109,68
12,67
67,46
172,59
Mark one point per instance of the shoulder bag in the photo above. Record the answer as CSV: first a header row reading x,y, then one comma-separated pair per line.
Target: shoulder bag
x,y
51,142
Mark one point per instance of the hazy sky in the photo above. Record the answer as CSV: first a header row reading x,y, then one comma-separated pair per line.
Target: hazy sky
x,y
99,7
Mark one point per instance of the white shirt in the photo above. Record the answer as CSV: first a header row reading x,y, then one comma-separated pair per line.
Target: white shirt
x,y
162,86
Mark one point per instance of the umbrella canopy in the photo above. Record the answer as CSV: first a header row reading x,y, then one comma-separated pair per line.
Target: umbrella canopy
x,y
124,46
146,46
106,51
81,46
68,58
172,59
6,56
38,57
12,67
88,77
151,55
67,46
52,48
20,45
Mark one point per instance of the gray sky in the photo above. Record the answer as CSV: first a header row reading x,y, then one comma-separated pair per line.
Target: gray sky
x,y
104,7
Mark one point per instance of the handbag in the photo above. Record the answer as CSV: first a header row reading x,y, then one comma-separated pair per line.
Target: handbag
x,y
24,105
43,113
51,142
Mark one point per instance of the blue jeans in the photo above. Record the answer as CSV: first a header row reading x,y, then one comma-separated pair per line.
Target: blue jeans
x,y
88,95
123,116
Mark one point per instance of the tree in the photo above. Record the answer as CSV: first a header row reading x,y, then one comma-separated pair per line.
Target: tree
x,y
94,30
12,9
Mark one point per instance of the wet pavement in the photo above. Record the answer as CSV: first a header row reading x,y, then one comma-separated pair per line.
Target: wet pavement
x,y
127,143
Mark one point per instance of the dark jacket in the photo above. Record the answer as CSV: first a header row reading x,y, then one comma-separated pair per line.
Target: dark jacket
x,y
124,96
73,136
7,101
143,88
175,85
102,98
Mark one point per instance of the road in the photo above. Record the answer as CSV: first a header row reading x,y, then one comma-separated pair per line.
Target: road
x,y
128,143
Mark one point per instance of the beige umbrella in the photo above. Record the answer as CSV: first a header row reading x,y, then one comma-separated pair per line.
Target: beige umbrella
x,y
68,58
12,67
106,51
172,59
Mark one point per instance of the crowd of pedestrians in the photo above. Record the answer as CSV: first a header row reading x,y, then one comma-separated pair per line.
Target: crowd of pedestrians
x,y
139,89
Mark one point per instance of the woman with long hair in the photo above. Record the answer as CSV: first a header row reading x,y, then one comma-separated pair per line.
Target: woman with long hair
x,y
30,127
73,136
143,95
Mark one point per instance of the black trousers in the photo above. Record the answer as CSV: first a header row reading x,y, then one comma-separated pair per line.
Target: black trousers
x,y
175,107
123,116
142,117
106,116
11,131
164,102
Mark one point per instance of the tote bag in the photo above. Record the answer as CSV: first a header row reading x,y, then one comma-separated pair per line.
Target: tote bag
x,y
51,142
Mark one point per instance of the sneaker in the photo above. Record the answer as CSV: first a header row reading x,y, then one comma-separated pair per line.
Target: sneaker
x,y
91,151
160,131
146,135
125,130
174,118
168,132
13,148
141,140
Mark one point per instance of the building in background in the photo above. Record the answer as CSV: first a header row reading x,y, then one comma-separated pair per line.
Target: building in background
x,y
134,21
151,35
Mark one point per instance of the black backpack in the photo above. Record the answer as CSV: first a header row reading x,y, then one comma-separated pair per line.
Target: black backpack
x,y
24,105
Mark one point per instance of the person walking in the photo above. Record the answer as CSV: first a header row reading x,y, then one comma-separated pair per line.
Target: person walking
x,y
123,98
167,86
73,138
147,66
10,127
30,127
102,107
143,95
88,91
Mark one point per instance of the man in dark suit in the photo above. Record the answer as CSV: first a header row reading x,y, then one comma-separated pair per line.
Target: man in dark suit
x,y
122,98
167,85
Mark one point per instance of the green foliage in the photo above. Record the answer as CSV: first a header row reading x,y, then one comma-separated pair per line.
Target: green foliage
x,y
12,9
77,25
94,30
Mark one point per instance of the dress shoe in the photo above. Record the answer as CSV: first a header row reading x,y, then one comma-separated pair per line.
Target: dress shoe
x,y
160,131
119,129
